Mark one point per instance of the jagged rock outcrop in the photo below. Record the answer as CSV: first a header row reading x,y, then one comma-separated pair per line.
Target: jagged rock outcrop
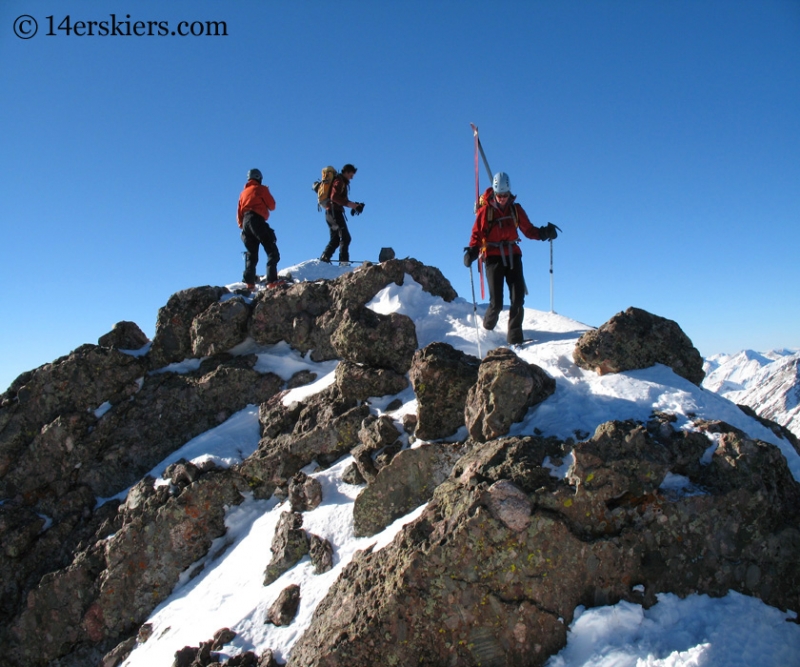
x,y
475,581
506,388
130,565
173,339
637,339
124,336
442,377
306,315
321,552
289,545
291,314
112,451
357,382
305,493
284,609
31,549
377,434
404,484
205,656
220,327
490,573
119,653
381,341
92,423
322,428
77,383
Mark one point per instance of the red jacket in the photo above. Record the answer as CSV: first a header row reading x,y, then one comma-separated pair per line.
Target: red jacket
x,y
496,232
255,197
340,192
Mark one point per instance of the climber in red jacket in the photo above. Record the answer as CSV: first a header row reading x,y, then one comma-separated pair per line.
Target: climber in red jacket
x,y
495,236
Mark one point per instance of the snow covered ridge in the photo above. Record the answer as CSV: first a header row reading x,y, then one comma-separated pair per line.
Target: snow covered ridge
x,y
545,544
769,383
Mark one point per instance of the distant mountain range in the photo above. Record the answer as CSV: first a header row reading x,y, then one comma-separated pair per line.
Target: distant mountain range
x,y
768,382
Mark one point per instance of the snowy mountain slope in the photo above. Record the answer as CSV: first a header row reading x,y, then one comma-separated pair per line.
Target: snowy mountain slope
x,y
229,591
769,383
729,373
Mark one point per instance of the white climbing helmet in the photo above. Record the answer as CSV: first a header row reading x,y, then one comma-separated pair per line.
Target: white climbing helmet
x,y
501,184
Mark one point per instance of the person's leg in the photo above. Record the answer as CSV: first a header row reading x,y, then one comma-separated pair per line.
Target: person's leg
x,y
344,241
268,239
251,244
333,241
493,267
516,289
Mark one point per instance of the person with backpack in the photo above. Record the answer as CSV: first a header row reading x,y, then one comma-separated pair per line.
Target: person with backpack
x,y
255,204
335,203
495,236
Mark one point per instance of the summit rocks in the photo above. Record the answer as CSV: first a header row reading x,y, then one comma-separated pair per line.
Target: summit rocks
x,y
503,549
492,571
91,424
307,315
637,339
506,387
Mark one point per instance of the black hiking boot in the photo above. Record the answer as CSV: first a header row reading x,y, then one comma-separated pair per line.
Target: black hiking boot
x,y
515,337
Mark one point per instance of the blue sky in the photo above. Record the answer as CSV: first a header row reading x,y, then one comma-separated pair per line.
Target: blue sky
x,y
662,137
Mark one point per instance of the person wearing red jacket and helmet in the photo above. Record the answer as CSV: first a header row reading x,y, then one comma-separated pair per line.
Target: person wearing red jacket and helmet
x,y
255,204
495,235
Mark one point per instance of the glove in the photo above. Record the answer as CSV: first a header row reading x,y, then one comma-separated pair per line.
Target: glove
x,y
359,207
470,255
548,232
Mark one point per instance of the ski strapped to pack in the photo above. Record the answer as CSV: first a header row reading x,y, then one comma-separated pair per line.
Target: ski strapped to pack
x,y
479,151
479,148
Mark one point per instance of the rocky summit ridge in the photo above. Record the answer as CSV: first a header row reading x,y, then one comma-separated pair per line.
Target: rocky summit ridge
x,y
518,528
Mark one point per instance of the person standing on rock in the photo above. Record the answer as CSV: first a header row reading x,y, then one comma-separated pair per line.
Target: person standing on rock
x,y
495,236
255,204
335,217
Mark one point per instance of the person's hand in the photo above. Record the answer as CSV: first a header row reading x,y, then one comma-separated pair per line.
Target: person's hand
x,y
357,209
470,255
548,232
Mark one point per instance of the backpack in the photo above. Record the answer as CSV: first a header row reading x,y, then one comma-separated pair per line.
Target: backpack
x,y
323,187
486,198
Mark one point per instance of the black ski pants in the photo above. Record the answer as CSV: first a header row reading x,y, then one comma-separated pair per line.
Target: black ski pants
x,y
499,271
255,232
340,236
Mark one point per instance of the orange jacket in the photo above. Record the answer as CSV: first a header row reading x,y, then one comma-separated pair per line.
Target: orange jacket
x,y
255,197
